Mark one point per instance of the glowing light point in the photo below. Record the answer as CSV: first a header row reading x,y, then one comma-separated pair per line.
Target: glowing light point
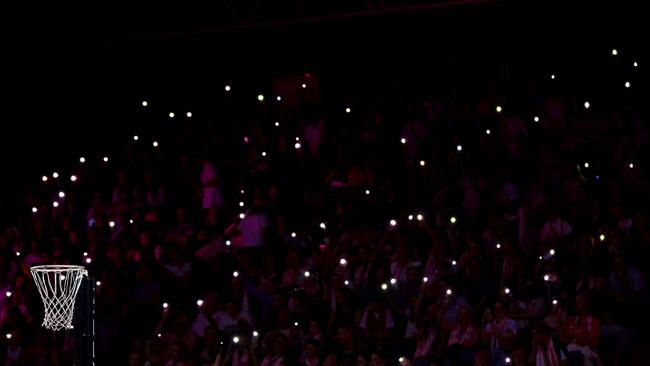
x,y
627,84
323,226
111,224
227,242
172,115
393,222
453,263
551,252
343,262
235,274
304,85
452,220
88,260
602,237
499,109
9,336
278,98
459,148
586,165
34,209
552,76
487,132
235,339
242,215
8,294
508,360
307,274
44,178
293,235
587,105
277,124
423,163
73,178
554,302
255,334
403,140
631,165
199,302
348,110
136,137
498,246
367,192
260,97
227,88
188,114
55,204
82,160
297,145
448,291
346,282
507,290
636,64
384,286
105,159
547,277
98,283
61,194
241,203
419,217
145,103
55,175
393,281
425,279
155,144
536,119
614,52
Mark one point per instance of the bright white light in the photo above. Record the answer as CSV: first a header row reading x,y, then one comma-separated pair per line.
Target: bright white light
x,y
293,235
105,159
307,274
159,335
554,302
88,260
367,192
9,336
111,224
452,220
487,132
73,178
235,339
82,160
130,221
401,359
61,194
297,145
98,283
295,324
199,302
278,98
17,254
34,209
346,282
145,103
631,165
277,124
242,215
62,277
614,52
393,222
227,88
227,242
419,217
627,84
235,274
410,217
85,254
393,281
499,109
551,252
636,64
507,290
323,226
263,153
348,110
547,277
587,105
343,262
260,97
242,191
55,204
384,286
297,138
453,263
255,334
508,360
155,144
602,237
135,138
536,119
498,246
188,114
241,203
304,85
55,175
425,279
8,294
44,178
540,257
552,76
586,165
423,163
172,115
403,140
459,148
448,291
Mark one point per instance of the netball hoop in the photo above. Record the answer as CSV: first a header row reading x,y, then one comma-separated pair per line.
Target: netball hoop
x,y
66,307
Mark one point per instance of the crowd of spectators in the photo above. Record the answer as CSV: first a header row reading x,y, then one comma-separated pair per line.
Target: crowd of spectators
x,y
456,232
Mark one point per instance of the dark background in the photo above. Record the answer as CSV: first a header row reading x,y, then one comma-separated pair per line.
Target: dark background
x,y
73,77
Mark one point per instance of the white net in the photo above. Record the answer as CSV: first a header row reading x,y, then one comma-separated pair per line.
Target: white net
x,y
58,286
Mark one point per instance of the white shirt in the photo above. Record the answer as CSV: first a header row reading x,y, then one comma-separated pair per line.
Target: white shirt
x,y
229,325
252,229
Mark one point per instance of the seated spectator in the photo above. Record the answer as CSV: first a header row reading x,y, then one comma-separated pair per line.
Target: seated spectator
x,y
498,326
462,340
548,351
581,333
